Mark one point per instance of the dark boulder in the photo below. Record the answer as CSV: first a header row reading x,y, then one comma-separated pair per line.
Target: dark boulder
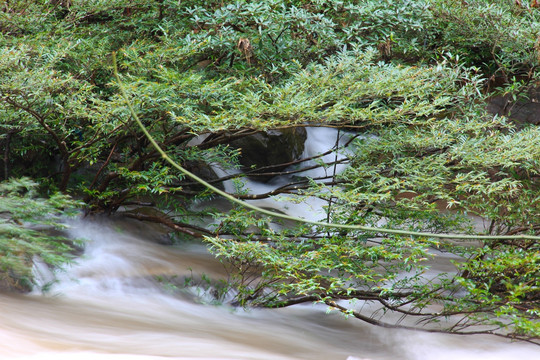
x,y
523,111
205,172
270,151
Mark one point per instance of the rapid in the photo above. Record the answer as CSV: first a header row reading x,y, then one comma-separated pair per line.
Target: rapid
x,y
107,305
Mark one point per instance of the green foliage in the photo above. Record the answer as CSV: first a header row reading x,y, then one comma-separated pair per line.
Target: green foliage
x,y
409,78
24,224
506,277
500,35
407,170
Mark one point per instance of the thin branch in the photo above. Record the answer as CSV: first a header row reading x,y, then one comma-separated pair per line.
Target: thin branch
x,y
103,166
191,230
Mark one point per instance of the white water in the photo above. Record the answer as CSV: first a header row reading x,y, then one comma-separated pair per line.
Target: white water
x,y
108,306
319,141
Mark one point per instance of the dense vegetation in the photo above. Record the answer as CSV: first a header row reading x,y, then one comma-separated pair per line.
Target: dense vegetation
x,y
408,81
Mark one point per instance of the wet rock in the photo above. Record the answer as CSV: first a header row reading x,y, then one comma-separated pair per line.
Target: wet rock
x,y
8,285
273,148
205,172
523,111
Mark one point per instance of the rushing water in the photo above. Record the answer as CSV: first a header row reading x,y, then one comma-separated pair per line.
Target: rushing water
x,y
108,305
319,141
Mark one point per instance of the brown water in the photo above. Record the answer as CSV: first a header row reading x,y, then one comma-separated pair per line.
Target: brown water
x,y
107,307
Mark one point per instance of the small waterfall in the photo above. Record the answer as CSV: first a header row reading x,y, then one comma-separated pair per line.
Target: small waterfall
x,y
319,141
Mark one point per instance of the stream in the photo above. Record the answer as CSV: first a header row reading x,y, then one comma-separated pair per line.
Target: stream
x,y
107,305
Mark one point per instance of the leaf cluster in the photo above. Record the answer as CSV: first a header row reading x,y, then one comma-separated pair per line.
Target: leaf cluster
x,y
25,224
